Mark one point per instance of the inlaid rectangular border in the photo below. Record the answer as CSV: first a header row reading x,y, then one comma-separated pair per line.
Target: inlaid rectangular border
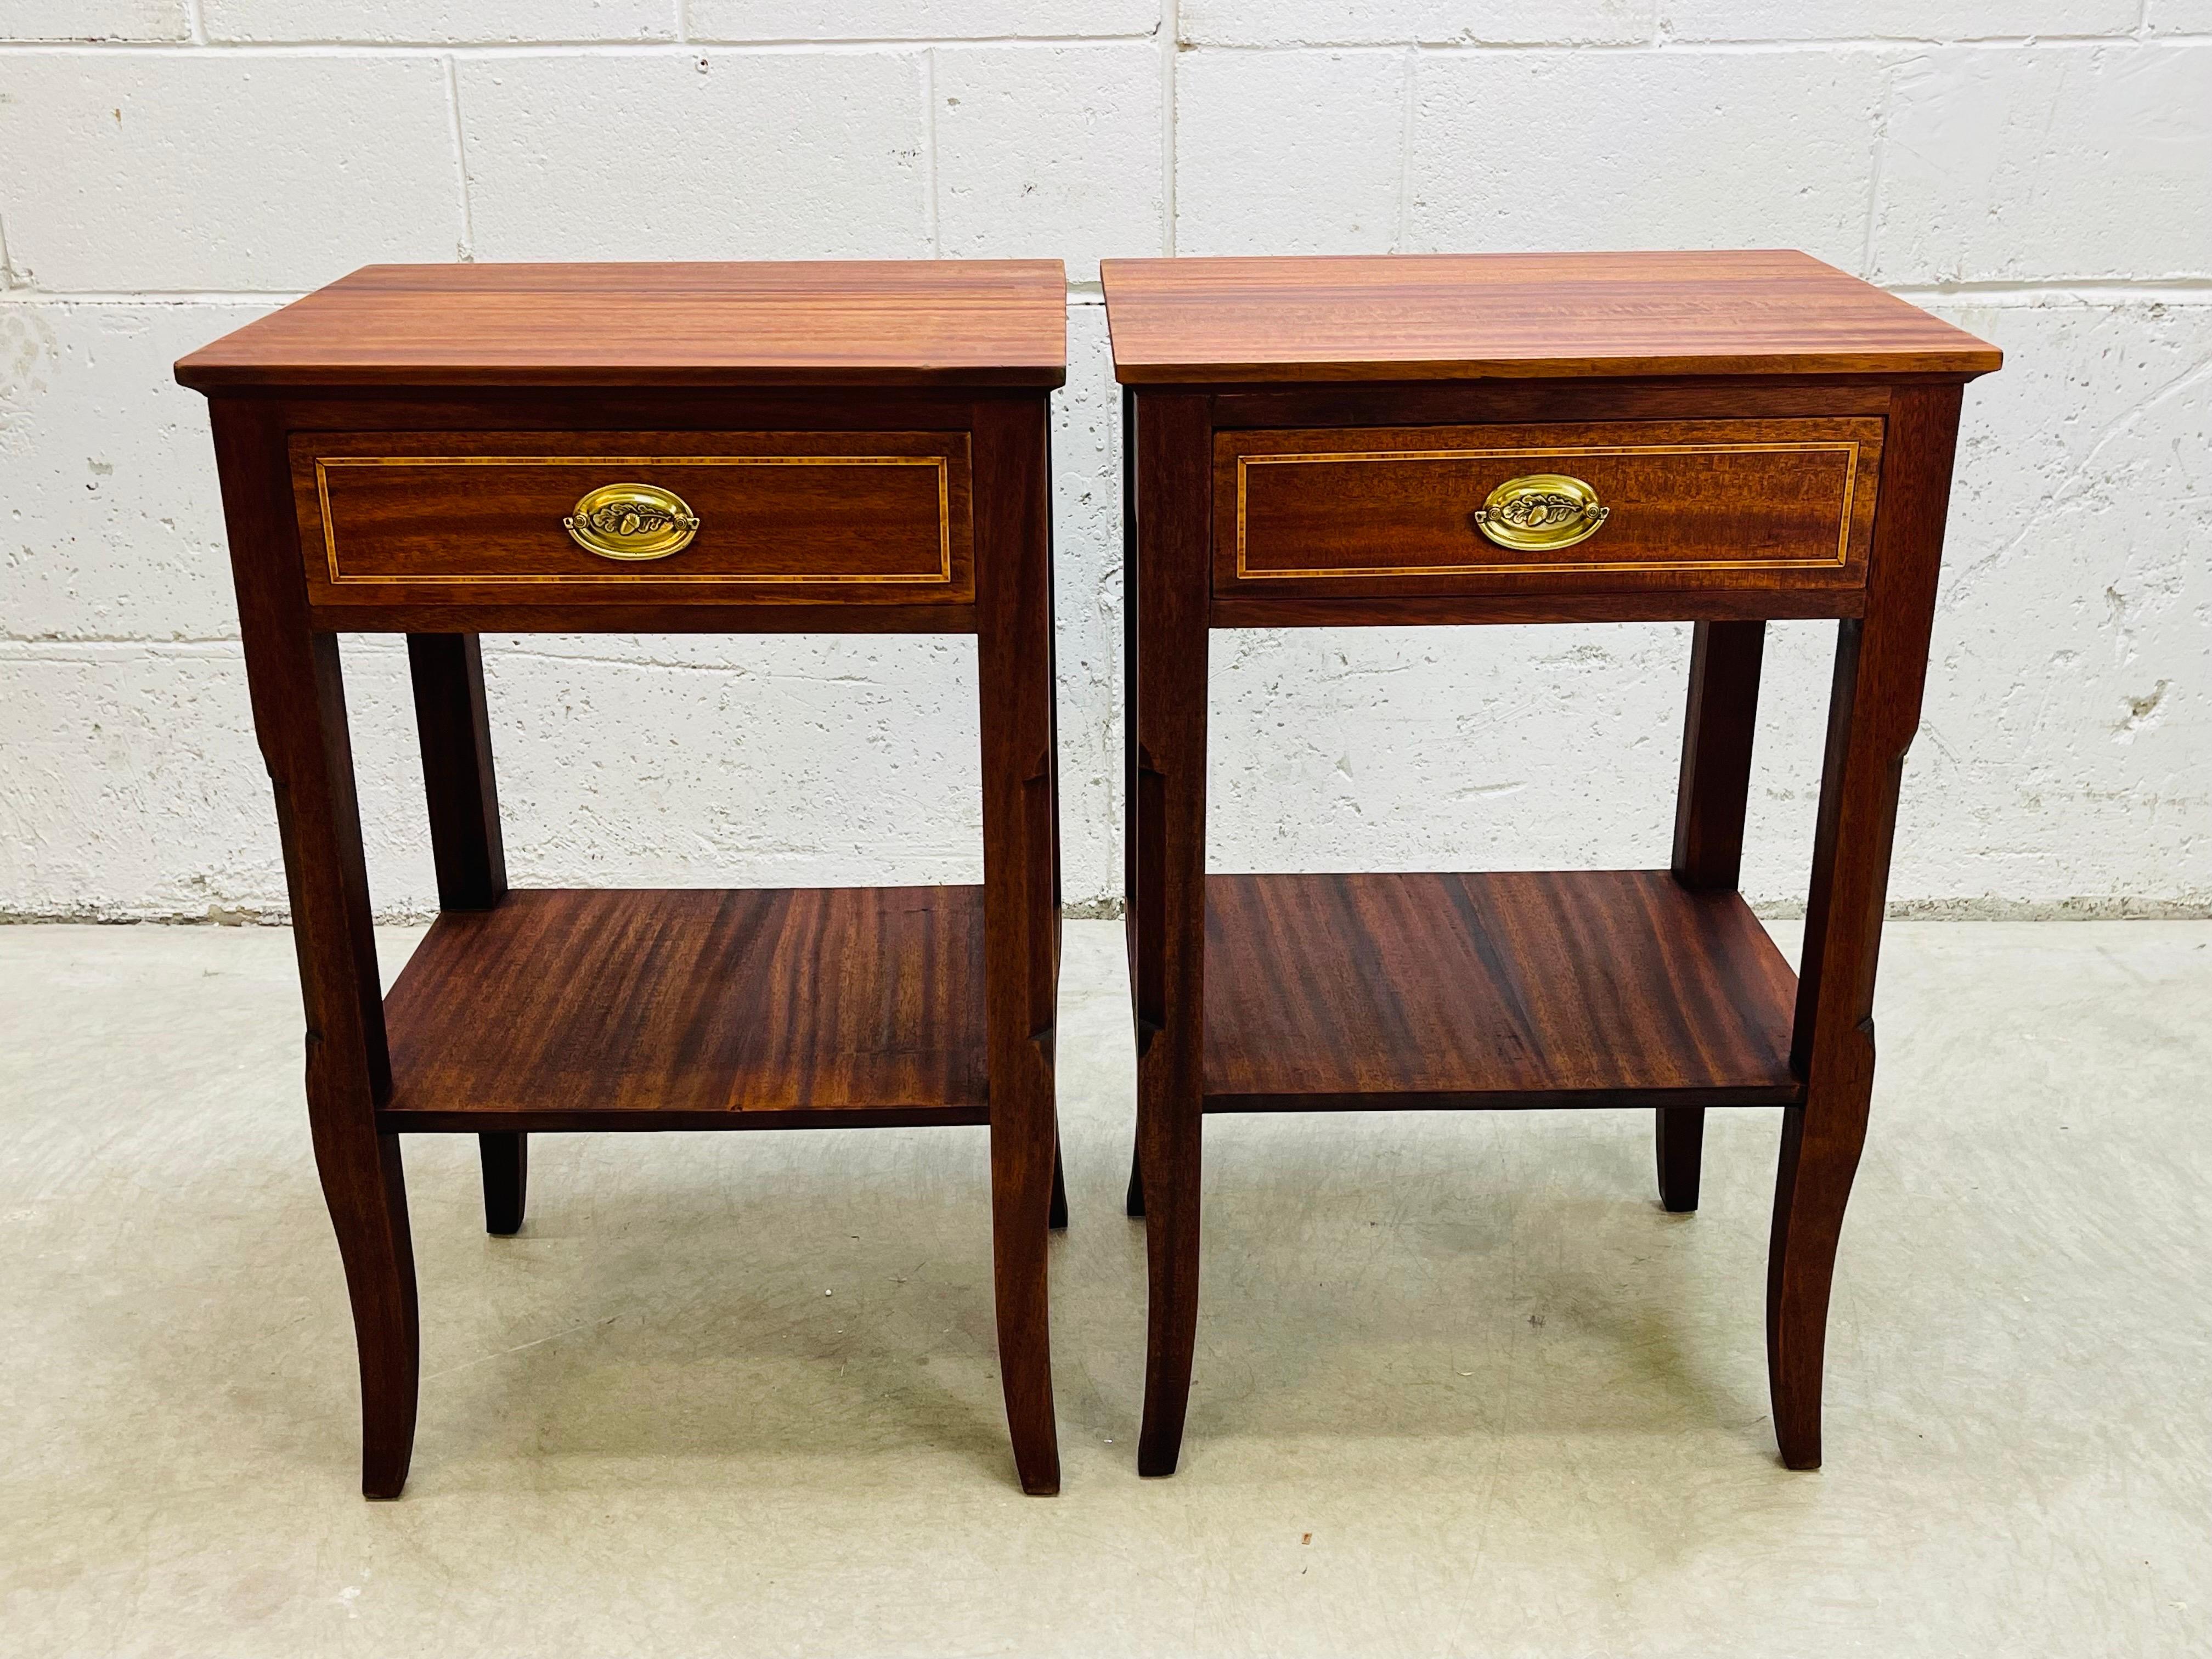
x,y
1849,447
632,576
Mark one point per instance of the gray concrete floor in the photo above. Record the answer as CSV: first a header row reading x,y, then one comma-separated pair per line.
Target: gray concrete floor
x,y
1462,1387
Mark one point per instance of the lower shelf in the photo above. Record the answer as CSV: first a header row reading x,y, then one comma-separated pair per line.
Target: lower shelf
x,y
1567,988
691,1009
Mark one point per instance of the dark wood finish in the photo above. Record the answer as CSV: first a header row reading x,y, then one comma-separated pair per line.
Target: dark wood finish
x,y
1571,988
453,722
1678,1145
453,725
505,1158
1460,316
1133,1203
793,518
536,1010
1021,910
1651,988
1716,738
846,323
1170,452
1881,667
1694,504
568,1006
1708,810
299,714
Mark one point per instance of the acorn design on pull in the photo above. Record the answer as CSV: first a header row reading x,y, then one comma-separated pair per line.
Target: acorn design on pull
x,y
1535,512
632,521
1542,511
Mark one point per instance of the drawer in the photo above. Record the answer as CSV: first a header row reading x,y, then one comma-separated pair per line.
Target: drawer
x,y
517,517
1559,506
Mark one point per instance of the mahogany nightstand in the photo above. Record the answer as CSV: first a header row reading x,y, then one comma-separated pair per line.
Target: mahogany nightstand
x,y
1715,438
441,450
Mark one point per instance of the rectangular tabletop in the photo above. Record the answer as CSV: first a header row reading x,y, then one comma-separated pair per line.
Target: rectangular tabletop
x,y
883,323
1452,316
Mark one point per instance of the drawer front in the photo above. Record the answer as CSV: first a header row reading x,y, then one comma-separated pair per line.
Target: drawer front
x,y
513,517
1630,504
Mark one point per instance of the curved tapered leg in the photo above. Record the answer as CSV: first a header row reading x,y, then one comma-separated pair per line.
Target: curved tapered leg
x,y
1170,447
1680,1137
1132,1203
506,1158
1811,1186
1011,468
1021,1198
367,1194
298,690
1874,710
1172,1151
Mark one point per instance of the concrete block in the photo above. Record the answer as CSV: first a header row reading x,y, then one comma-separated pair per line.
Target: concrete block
x,y
2068,741
439,20
96,19
2179,16
1892,20
919,20
1290,152
830,760
166,173
1049,151
133,786
112,527
752,761
716,156
2056,162
1429,22
1444,749
1634,149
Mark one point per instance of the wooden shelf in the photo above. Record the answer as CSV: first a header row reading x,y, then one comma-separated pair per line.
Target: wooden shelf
x,y
1574,989
692,1009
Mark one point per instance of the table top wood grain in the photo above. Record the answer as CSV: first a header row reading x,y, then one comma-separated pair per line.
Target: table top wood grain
x,y
1415,317
888,323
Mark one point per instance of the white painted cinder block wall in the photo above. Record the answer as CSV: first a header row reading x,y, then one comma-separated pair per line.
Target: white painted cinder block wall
x,y
2039,171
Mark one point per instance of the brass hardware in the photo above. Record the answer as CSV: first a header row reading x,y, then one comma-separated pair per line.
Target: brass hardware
x,y
632,521
1542,512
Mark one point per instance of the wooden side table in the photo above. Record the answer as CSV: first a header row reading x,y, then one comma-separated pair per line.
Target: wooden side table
x,y
441,450
1717,438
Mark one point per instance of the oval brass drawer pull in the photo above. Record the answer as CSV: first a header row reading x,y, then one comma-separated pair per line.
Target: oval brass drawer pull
x,y
1542,512
632,521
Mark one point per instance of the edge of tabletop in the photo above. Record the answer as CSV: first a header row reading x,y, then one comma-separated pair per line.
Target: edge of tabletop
x,y
340,378
1950,353
281,352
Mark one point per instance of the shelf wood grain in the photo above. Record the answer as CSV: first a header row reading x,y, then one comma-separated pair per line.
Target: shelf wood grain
x,y
1555,988
1475,316
693,1008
